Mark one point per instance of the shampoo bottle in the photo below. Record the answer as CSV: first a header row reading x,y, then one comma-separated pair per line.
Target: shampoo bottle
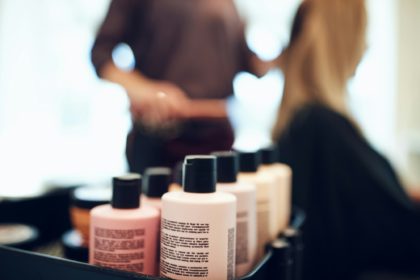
x,y
246,219
198,226
283,184
123,235
248,173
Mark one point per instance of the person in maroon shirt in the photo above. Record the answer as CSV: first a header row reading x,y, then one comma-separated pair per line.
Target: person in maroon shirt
x,y
186,53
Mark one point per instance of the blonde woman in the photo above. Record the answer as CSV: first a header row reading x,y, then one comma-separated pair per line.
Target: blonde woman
x,y
359,216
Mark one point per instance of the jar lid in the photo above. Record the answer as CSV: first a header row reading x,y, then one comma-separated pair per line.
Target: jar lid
x,y
73,246
18,235
88,197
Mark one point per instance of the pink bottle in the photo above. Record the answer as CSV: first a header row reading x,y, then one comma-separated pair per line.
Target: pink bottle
x,y
156,182
124,235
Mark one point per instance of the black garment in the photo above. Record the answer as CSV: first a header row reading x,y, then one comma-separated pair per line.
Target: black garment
x,y
358,215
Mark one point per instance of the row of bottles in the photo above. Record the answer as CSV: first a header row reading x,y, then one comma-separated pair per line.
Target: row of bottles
x,y
216,226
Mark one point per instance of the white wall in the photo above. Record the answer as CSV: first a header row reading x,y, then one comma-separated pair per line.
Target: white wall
x,y
408,102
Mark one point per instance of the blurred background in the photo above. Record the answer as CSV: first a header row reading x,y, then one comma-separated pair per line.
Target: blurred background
x,y
60,123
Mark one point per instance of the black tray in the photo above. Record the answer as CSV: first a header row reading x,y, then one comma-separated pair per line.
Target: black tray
x,y
21,264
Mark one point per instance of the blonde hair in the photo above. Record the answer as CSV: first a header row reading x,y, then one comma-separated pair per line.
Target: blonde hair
x,y
327,43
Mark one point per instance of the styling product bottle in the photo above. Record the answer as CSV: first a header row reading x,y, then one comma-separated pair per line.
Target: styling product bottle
x,y
198,226
156,182
283,184
248,167
124,235
246,218
281,262
294,238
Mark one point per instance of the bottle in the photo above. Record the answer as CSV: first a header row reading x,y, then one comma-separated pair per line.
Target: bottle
x,y
294,238
283,185
156,182
246,204
123,235
198,226
281,262
248,167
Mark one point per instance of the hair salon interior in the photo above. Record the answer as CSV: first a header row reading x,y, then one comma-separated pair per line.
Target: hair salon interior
x,y
210,139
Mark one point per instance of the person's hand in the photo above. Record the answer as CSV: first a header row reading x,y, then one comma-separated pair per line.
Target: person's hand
x,y
261,67
157,103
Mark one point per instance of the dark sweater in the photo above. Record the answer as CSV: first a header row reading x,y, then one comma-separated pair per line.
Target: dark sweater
x,y
359,216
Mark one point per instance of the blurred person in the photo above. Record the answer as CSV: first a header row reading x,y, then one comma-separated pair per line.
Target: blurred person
x,y
186,56
358,215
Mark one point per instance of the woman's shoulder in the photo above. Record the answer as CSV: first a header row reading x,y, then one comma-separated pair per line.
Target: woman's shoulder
x,y
315,120
320,116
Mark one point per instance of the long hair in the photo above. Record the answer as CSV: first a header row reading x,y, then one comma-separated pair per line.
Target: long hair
x,y
327,42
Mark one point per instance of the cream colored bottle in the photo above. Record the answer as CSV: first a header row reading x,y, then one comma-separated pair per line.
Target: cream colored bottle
x,y
248,173
246,212
283,185
123,235
198,226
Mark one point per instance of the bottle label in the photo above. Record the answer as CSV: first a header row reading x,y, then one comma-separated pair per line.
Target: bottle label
x,y
242,238
178,249
119,249
263,233
231,254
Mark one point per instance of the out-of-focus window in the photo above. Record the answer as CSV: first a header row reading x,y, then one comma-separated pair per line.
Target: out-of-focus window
x,y
57,120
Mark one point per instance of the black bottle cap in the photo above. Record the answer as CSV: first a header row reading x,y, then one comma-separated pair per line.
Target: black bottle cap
x,y
227,166
126,191
156,181
249,161
199,174
268,154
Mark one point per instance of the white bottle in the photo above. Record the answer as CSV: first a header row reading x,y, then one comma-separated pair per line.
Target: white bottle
x,y
124,235
156,182
283,186
246,212
248,167
198,226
